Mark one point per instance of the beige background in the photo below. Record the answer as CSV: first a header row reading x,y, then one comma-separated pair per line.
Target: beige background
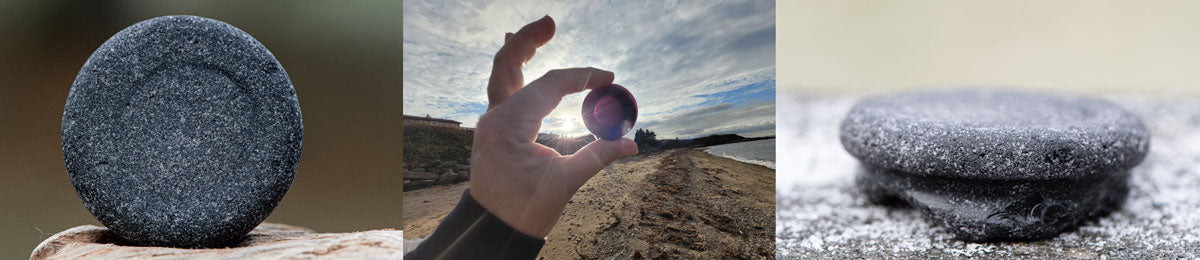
x,y
1073,46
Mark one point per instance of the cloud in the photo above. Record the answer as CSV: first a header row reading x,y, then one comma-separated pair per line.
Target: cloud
x,y
754,119
679,58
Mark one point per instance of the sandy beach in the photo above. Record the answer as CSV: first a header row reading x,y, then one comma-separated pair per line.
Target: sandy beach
x,y
681,203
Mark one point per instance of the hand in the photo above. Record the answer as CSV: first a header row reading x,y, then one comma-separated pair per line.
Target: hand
x,y
523,183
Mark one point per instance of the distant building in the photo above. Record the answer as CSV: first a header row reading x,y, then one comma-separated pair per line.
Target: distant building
x,y
428,120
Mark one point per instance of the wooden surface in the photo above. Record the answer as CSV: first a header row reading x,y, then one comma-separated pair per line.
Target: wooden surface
x,y
271,241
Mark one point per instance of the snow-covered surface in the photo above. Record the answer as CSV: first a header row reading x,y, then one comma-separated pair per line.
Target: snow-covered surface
x,y
820,214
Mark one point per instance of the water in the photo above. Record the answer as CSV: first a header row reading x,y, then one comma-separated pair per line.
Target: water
x,y
761,152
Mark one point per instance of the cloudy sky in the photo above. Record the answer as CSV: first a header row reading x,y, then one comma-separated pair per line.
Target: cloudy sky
x,y
696,68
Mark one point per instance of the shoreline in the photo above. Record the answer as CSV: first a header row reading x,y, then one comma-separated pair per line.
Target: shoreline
x,y
769,164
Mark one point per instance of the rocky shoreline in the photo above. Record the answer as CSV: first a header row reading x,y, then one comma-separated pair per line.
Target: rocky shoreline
x,y
423,175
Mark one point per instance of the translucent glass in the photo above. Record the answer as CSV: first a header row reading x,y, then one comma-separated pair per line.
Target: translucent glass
x,y
609,112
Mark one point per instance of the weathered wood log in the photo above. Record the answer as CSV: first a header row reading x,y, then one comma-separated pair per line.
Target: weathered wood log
x,y
268,240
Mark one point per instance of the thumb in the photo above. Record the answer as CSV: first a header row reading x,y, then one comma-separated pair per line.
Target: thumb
x,y
593,157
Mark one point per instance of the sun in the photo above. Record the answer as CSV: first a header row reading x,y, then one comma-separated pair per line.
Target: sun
x,y
567,126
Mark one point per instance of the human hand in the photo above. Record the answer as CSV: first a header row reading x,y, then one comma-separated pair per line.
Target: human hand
x,y
521,182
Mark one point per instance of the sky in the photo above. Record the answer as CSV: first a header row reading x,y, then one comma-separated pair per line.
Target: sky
x,y
696,68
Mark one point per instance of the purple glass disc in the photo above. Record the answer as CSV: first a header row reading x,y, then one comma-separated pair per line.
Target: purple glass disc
x,y
609,112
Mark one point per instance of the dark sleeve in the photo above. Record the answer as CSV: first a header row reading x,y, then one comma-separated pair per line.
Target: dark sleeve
x,y
471,232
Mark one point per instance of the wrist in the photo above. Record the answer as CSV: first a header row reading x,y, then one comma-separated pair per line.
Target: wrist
x,y
523,216
470,231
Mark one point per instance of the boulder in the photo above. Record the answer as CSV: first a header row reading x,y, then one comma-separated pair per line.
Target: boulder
x,y
447,177
423,183
419,175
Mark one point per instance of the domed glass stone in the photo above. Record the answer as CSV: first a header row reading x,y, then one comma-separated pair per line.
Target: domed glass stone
x,y
609,112
181,131
995,165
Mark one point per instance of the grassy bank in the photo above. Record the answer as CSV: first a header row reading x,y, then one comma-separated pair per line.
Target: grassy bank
x,y
425,144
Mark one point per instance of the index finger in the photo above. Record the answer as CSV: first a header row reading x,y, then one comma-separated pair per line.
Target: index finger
x,y
518,48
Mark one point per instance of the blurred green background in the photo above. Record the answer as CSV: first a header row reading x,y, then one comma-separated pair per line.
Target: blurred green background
x,y
345,62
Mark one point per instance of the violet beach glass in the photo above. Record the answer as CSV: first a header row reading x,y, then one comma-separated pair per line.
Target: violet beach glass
x,y
609,112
